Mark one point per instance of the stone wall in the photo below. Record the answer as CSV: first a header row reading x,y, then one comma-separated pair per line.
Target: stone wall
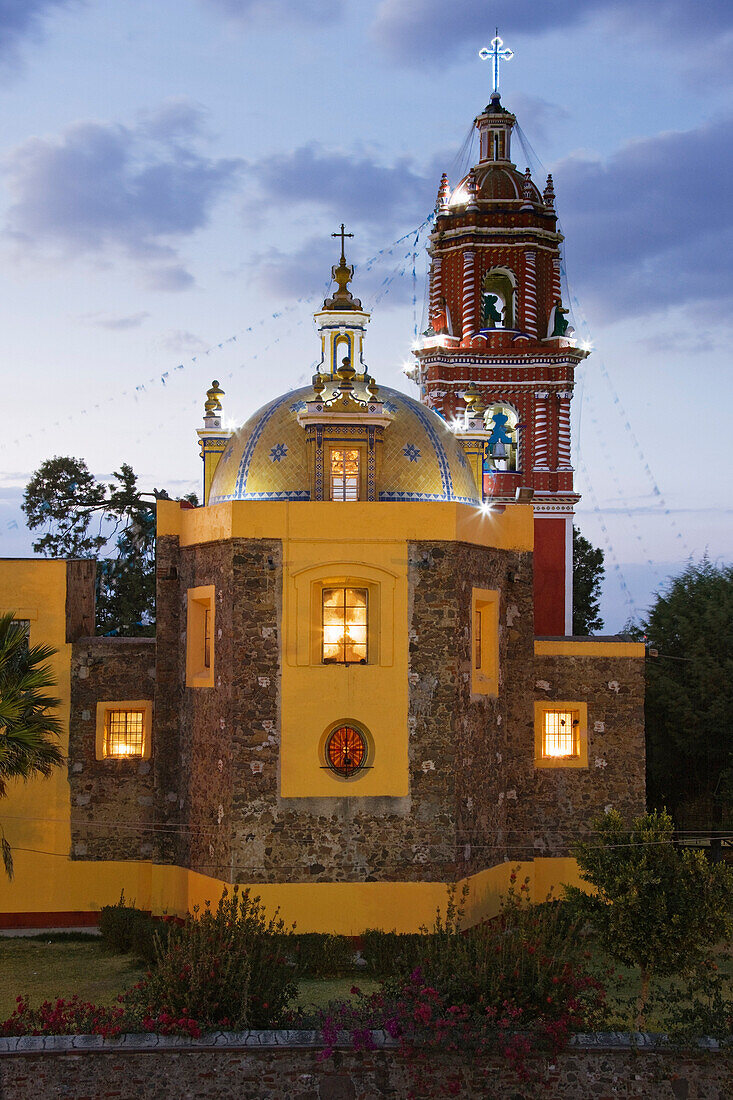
x,y
564,801
234,822
469,753
112,811
286,1066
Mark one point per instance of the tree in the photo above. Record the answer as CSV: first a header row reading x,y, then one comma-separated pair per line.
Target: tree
x,y
689,694
588,573
63,496
28,724
657,908
81,516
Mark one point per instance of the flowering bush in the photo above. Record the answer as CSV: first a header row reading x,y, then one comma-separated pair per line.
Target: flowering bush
x,y
224,967
509,985
75,1017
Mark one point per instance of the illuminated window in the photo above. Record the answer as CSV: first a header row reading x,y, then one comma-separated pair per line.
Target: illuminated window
x,y
561,733
344,623
123,729
123,732
346,750
200,644
345,474
561,739
485,641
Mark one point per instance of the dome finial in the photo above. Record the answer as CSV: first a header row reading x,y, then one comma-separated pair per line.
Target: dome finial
x,y
343,274
212,406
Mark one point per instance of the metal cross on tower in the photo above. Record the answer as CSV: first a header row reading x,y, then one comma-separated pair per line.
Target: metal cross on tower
x,y
497,54
342,234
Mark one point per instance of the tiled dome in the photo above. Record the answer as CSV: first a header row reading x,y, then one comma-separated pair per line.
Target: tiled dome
x,y
266,459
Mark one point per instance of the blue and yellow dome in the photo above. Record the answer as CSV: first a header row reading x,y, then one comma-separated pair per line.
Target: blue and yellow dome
x,y
266,459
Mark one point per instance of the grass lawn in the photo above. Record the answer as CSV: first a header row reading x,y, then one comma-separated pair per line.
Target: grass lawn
x,y
44,970
317,992
47,968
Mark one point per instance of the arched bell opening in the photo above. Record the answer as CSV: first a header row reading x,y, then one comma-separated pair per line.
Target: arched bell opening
x,y
497,299
502,447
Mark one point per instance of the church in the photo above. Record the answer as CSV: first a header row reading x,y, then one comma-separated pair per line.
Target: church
x,y
364,686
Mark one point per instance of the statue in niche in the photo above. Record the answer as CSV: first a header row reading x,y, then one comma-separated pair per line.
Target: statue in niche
x,y
441,322
490,315
498,448
559,324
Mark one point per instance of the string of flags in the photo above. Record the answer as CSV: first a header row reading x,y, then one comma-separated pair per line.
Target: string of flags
x,y
165,378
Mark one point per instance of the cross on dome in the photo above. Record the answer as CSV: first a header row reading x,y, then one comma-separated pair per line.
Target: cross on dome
x,y
497,54
342,234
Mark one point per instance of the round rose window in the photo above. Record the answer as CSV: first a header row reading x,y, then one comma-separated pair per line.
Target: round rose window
x,y
346,750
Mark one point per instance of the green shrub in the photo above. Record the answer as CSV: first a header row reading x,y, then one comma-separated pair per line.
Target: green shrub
x,y
127,930
118,924
319,955
224,968
391,953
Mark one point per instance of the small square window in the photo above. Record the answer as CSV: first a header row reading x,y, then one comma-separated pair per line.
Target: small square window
x,y
561,735
123,729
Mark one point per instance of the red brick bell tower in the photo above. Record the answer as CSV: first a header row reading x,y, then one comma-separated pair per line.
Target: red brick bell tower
x,y
498,330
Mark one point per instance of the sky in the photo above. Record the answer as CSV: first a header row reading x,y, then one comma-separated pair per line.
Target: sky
x,y
170,175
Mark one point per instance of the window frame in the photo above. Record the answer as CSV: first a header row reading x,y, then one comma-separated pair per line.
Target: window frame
x,y
367,762
200,613
106,707
345,588
485,622
342,448
547,706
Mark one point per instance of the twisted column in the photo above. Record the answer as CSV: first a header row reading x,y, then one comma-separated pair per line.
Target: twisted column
x,y
541,453
563,430
468,296
530,293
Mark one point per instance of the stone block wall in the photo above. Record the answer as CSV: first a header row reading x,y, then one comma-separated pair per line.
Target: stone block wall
x,y
286,1066
473,749
112,811
563,801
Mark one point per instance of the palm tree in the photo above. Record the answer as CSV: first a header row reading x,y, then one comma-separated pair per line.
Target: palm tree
x,y
27,722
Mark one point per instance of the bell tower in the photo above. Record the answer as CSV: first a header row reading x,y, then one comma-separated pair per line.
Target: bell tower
x,y
499,344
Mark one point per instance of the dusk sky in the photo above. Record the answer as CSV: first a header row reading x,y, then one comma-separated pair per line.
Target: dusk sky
x,y
171,172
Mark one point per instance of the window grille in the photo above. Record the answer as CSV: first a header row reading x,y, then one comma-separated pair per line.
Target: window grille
x,y
477,641
345,474
561,733
124,732
344,622
346,750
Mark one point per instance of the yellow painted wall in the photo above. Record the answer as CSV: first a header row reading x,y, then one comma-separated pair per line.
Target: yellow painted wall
x,y
45,884
367,523
36,814
588,647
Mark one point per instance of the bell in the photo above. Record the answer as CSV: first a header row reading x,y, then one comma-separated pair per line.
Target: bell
x,y
499,450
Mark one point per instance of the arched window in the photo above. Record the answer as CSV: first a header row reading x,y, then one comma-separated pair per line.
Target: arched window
x,y
502,445
497,299
341,350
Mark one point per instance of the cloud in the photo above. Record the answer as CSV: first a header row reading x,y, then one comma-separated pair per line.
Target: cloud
x,y
349,188
180,342
652,226
24,19
413,31
303,11
121,323
103,189
306,273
